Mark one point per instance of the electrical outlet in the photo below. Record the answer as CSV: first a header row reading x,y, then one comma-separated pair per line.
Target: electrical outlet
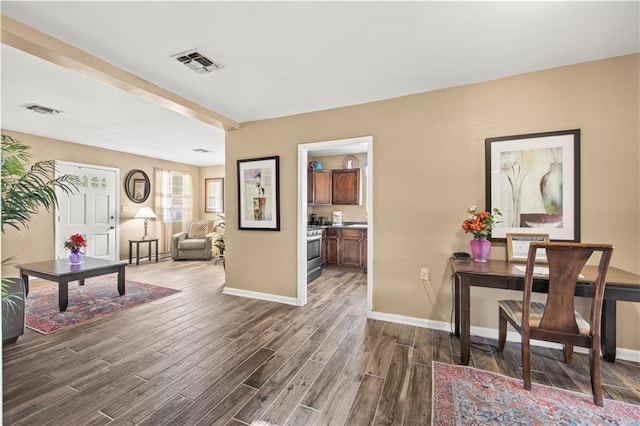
x,y
125,209
424,274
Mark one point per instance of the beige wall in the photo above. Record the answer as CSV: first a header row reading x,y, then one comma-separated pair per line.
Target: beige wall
x,y
37,242
428,167
350,213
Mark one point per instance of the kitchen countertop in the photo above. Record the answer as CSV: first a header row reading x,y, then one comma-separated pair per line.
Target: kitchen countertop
x,y
346,225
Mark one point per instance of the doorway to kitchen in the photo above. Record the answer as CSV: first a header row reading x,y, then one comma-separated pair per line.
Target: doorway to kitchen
x,y
347,148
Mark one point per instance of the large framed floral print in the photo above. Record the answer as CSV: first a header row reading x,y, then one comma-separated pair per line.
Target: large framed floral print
x,y
258,194
534,179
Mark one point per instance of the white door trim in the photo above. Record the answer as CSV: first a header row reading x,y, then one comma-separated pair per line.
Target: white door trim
x,y
59,251
303,151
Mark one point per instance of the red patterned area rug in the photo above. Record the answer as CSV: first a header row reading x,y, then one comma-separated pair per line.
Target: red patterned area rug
x,y
97,299
468,396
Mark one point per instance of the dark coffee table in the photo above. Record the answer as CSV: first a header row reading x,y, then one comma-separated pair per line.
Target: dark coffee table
x,y
61,272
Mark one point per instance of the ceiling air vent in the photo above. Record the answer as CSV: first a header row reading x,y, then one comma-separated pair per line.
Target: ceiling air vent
x,y
204,151
196,61
43,109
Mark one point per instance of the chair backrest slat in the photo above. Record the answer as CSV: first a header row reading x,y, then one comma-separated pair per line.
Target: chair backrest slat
x,y
566,261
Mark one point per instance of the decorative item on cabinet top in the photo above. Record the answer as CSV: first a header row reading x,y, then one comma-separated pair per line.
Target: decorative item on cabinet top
x,y
350,162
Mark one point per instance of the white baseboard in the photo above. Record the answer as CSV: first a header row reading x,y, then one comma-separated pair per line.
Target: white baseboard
x,y
261,296
491,333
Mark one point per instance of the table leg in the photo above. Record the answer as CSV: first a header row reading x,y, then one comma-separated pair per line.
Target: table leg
x,y
121,288
25,278
608,330
137,253
156,250
456,303
130,251
63,294
149,250
465,321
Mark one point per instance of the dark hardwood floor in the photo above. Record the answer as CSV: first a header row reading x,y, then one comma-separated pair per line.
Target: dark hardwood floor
x,y
201,357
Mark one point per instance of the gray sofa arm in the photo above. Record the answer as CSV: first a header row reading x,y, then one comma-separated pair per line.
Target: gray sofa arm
x,y
175,240
209,239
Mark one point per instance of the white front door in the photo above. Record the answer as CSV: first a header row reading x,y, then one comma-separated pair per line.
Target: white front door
x,y
91,212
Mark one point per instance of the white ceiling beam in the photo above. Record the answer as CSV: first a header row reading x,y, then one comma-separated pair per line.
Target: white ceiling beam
x,y
37,43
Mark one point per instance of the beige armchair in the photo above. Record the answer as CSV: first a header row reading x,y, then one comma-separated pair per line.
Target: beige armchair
x,y
196,243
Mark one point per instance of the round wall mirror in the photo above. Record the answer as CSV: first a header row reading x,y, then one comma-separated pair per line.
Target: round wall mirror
x,y
137,186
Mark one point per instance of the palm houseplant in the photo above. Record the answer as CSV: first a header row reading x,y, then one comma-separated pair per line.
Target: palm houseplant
x,y
25,189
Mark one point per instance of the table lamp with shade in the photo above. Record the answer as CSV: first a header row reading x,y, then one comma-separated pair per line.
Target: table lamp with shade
x,y
145,213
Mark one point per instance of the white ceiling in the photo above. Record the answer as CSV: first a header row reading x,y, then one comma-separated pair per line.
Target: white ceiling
x,y
283,58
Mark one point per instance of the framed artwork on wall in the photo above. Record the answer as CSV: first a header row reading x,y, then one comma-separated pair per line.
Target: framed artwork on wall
x,y
534,179
214,195
258,194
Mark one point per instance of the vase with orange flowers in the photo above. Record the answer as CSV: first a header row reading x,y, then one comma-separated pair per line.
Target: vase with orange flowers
x,y
75,243
480,224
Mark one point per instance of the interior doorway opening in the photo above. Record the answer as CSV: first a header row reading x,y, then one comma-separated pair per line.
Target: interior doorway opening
x,y
347,148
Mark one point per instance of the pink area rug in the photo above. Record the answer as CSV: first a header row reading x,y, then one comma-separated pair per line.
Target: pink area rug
x,y
97,299
468,396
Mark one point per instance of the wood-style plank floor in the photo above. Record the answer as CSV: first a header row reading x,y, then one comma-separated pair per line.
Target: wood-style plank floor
x,y
201,357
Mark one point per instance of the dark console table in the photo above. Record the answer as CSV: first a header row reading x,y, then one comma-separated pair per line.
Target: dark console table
x,y
621,286
137,243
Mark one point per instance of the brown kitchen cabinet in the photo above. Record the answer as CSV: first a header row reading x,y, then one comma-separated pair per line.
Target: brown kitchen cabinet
x,y
331,255
364,250
346,247
319,186
350,251
323,248
346,188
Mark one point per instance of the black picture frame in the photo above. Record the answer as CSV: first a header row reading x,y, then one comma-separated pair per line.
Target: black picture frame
x,y
259,194
534,179
137,186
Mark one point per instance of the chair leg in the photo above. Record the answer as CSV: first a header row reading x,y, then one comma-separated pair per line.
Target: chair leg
x,y
567,351
526,364
502,330
594,367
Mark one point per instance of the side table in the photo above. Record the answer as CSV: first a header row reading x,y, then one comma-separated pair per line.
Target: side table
x,y
137,243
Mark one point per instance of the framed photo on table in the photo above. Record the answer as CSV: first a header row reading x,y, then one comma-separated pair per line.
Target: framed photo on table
x,y
534,180
214,195
518,247
258,194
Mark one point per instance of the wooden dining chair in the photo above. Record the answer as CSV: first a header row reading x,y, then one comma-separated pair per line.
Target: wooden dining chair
x,y
556,320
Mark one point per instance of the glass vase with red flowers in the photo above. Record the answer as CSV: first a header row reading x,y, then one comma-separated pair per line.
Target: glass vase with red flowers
x,y
75,244
480,224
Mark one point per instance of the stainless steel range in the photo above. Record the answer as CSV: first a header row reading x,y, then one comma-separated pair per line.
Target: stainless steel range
x,y
314,253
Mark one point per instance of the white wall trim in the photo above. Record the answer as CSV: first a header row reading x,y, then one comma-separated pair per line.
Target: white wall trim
x,y
491,333
260,296
303,151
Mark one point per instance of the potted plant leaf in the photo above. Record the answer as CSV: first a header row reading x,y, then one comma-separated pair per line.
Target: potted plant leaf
x,y
220,241
25,189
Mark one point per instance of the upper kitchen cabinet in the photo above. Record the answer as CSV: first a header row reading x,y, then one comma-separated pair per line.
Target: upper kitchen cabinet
x,y
319,186
346,187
